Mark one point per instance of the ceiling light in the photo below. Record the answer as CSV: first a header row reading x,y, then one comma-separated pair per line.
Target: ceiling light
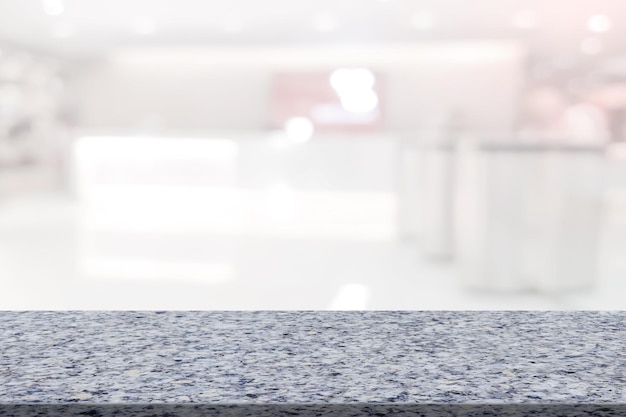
x,y
599,23
423,20
355,89
144,26
53,7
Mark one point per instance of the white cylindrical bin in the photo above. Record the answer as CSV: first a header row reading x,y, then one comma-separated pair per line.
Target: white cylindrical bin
x,y
528,216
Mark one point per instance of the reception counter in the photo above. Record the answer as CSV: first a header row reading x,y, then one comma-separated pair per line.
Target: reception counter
x,y
167,363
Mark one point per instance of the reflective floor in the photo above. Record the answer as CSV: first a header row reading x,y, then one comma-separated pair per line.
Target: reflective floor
x,y
246,225
51,259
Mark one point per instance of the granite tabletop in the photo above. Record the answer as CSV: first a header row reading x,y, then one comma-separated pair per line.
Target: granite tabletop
x,y
371,363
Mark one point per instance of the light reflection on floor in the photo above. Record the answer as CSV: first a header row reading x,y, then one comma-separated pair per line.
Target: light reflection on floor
x,y
44,266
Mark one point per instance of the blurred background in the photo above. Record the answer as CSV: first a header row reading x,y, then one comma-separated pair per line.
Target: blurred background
x,y
313,154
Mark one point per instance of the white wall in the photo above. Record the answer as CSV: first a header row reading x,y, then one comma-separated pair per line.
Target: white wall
x,y
230,88
171,93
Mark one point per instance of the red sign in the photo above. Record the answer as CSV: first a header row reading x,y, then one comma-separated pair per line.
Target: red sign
x,y
344,100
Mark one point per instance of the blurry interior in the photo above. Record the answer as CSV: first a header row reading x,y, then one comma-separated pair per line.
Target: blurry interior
x,y
313,154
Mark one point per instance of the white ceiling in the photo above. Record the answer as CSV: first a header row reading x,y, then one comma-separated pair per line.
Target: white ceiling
x,y
94,26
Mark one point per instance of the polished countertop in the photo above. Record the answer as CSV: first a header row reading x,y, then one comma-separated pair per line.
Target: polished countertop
x,y
360,359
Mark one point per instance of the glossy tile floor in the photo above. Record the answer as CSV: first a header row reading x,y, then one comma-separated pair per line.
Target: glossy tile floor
x,y
51,259
285,235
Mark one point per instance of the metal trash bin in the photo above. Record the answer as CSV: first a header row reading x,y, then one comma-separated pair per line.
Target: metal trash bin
x,y
528,215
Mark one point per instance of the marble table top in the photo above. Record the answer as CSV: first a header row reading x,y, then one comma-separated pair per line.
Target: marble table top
x,y
291,363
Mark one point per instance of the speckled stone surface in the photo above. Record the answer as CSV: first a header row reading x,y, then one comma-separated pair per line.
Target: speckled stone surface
x,y
318,360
